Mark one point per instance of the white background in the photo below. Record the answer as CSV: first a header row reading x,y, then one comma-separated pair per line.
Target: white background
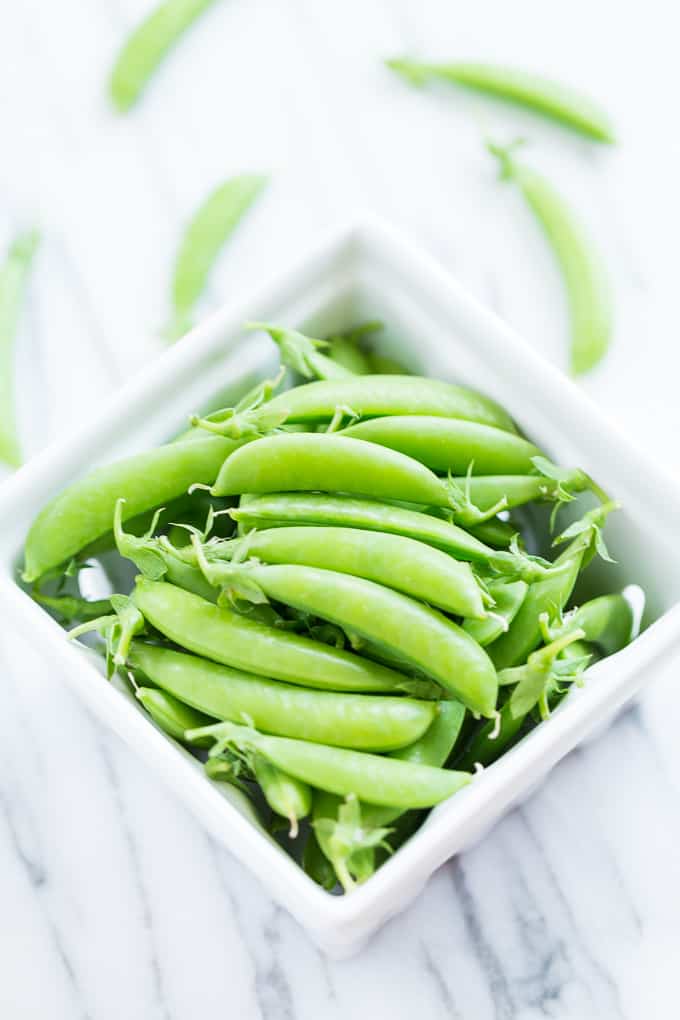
x,y
113,903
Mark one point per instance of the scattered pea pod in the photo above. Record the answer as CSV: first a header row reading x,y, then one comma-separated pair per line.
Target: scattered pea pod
x,y
219,634
423,637
401,563
367,396
371,777
551,98
346,720
13,282
585,279
211,225
147,46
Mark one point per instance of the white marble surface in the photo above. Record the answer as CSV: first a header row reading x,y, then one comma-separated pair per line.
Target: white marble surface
x,y
113,902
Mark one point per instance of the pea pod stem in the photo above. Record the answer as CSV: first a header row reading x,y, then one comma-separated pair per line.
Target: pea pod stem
x,y
145,48
586,285
304,354
13,284
544,95
207,232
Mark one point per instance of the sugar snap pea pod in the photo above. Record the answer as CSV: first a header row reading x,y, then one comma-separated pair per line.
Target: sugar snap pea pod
x,y
508,598
551,98
551,594
369,396
171,715
489,740
371,777
145,48
585,279
287,796
285,509
422,636
84,511
219,634
494,532
450,444
348,836
72,607
315,863
304,354
13,281
314,462
210,227
347,720
606,621
392,560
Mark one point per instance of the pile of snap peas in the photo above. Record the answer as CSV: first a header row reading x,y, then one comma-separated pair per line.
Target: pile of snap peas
x,y
332,601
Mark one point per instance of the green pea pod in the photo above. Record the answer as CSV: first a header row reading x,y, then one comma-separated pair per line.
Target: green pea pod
x,y
422,636
508,598
238,641
289,797
349,356
71,607
495,533
607,622
315,863
172,716
212,224
285,509
433,748
401,563
371,396
551,594
84,511
487,491
13,282
450,444
585,279
548,97
304,354
329,464
371,777
148,44
490,739
346,720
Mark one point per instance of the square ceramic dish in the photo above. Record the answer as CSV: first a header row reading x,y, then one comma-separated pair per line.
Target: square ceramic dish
x,y
435,328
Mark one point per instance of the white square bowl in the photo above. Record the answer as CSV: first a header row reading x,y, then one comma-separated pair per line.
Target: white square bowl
x,y
368,271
